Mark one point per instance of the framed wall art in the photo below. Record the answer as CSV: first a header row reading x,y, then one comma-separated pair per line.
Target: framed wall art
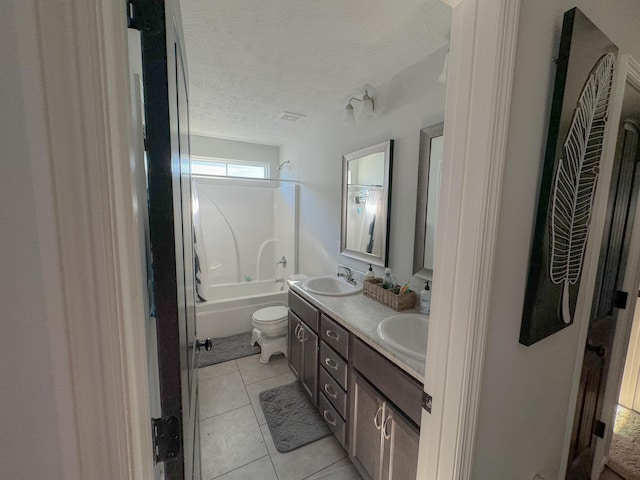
x,y
585,67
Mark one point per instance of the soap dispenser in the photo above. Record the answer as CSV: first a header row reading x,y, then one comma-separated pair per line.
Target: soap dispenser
x,y
425,299
387,282
370,275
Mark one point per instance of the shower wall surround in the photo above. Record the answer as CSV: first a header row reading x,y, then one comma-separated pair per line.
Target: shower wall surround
x,y
247,226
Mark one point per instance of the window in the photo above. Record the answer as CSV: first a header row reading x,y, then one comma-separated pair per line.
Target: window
x,y
219,167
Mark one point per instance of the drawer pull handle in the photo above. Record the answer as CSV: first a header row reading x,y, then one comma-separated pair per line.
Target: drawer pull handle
x,y
301,334
384,428
295,332
327,417
375,417
333,335
331,363
329,391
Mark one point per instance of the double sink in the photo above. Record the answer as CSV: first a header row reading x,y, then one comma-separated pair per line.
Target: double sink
x,y
406,333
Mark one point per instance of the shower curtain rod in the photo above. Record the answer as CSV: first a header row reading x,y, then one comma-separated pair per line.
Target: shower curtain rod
x,y
224,177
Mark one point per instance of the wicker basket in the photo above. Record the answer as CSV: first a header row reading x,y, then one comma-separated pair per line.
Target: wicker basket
x,y
389,297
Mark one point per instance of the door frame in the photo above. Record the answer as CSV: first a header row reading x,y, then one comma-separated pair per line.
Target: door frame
x,y
80,46
483,47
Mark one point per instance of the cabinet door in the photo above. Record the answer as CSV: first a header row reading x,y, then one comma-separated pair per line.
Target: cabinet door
x,y
309,360
400,451
295,347
367,414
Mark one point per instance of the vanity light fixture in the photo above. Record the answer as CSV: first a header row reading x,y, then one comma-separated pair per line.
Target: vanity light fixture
x,y
368,108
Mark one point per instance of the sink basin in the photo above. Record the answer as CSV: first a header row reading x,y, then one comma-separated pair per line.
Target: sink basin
x,y
331,285
407,333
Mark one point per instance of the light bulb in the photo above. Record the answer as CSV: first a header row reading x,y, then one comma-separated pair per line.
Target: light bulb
x,y
349,116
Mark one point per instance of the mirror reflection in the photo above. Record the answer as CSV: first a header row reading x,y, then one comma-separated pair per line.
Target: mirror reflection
x,y
365,203
429,173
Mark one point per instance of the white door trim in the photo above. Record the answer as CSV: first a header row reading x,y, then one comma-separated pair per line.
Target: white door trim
x,y
75,75
481,66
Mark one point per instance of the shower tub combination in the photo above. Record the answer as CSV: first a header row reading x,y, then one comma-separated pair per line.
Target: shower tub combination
x,y
230,307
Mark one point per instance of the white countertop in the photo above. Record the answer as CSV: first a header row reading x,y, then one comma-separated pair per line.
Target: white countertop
x,y
361,315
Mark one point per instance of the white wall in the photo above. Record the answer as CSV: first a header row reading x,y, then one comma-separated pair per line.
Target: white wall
x,y
410,101
525,390
235,150
30,444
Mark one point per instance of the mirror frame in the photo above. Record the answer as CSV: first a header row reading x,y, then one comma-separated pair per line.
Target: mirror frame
x,y
424,164
387,149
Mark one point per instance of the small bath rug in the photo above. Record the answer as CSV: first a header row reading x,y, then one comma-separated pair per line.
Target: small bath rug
x,y
293,420
228,348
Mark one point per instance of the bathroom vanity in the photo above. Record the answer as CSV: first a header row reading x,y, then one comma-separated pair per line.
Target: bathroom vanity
x,y
369,395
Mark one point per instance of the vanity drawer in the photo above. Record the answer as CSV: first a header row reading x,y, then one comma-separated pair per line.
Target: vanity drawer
x,y
399,387
333,419
304,310
334,393
334,335
334,364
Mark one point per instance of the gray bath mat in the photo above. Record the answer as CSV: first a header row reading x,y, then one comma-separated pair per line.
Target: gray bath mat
x,y
293,420
228,348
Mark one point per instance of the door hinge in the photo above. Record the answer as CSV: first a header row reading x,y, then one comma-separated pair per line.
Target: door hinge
x,y
427,401
620,299
166,438
599,428
131,15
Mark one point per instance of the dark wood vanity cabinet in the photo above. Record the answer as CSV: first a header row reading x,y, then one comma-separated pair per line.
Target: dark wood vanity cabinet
x,y
384,445
303,344
383,438
334,370
371,405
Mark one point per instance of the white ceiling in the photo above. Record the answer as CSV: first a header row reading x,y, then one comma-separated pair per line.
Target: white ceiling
x,y
251,60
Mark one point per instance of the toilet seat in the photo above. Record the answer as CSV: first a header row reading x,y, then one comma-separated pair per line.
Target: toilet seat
x,y
270,331
270,314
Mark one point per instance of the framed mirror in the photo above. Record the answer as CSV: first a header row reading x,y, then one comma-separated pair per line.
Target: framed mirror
x,y
429,172
366,201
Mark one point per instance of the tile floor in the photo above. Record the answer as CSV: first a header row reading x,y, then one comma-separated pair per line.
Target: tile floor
x,y
235,439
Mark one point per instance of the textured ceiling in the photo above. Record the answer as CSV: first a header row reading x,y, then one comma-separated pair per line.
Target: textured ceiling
x,y
251,60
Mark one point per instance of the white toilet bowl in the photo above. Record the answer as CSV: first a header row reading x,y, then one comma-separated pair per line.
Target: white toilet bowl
x,y
270,331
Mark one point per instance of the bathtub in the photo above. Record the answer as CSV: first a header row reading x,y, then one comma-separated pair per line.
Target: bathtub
x,y
229,307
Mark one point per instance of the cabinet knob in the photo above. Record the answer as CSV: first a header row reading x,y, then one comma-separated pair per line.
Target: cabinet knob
x,y
331,363
387,421
327,417
329,391
333,335
375,417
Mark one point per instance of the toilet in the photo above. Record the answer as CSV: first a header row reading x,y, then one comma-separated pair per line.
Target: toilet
x,y
270,331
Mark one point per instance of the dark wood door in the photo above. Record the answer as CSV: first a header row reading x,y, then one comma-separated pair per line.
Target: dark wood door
x,y
621,209
401,445
367,417
170,226
309,367
295,346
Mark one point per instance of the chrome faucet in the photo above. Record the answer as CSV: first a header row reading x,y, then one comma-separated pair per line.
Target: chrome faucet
x,y
282,262
347,275
279,280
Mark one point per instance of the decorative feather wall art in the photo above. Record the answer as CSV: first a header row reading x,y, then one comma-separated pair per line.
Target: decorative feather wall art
x,y
577,126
